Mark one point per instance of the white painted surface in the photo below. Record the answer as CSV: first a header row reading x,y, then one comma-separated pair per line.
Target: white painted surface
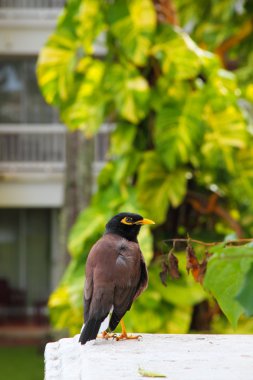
x,y
179,357
32,190
24,31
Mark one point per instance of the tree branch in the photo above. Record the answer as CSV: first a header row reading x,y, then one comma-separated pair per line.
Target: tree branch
x,y
166,12
211,206
228,242
245,30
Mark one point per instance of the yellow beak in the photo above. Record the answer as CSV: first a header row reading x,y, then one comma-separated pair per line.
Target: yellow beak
x,y
145,221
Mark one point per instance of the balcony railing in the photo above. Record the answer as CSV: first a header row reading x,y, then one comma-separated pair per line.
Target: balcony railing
x,y
26,12
32,148
32,3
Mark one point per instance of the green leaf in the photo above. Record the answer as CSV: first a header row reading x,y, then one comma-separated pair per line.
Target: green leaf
x,y
126,165
144,373
224,277
122,138
66,302
133,24
55,68
105,175
179,320
226,132
91,23
86,109
244,296
130,91
58,58
120,171
89,224
179,129
145,240
180,57
157,187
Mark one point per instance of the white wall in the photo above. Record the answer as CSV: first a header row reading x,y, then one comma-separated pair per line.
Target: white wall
x,y
24,190
24,31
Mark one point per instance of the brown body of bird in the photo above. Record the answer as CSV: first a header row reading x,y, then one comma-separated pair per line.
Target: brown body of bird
x,y
116,274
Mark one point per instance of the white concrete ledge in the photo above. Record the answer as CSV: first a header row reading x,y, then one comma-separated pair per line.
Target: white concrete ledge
x,y
178,357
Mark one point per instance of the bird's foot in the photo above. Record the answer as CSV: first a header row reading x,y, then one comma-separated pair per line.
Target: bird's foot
x,y
125,336
106,335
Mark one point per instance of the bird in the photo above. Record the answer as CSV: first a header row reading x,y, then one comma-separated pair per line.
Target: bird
x,y
116,274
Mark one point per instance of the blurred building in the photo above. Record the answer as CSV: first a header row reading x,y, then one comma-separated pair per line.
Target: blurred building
x,y
33,164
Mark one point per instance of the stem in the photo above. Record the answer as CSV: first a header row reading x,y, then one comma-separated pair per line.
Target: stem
x,y
189,240
244,32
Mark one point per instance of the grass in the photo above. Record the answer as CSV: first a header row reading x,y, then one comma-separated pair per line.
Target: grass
x,y
21,363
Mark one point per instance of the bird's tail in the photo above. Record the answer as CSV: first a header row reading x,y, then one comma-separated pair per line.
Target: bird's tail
x,y
90,330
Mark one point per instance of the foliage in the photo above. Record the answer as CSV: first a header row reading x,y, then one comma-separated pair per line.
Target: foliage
x,y
225,272
21,363
225,276
182,128
244,294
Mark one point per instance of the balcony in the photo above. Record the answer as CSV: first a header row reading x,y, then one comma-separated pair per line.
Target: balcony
x,y
26,24
32,3
32,149
32,165
29,10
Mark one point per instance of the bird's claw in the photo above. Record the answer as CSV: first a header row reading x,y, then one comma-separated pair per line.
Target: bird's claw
x,y
106,335
128,337
123,336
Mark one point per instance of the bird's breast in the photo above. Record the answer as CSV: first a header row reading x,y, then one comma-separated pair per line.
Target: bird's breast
x,y
114,259
127,264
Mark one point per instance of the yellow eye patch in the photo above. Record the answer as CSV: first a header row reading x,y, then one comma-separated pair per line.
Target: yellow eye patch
x,y
127,220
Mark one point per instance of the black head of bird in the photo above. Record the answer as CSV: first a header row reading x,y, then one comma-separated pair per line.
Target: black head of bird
x,y
116,274
127,225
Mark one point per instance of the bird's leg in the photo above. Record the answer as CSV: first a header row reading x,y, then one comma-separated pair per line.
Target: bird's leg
x,y
124,334
106,335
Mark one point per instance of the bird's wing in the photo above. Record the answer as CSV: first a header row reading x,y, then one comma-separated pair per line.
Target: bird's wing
x,y
88,290
99,283
143,283
99,289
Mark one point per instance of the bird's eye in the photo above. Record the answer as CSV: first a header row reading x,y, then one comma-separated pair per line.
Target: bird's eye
x,y
127,220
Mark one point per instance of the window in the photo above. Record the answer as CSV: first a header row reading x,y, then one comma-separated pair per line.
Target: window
x,y
20,98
